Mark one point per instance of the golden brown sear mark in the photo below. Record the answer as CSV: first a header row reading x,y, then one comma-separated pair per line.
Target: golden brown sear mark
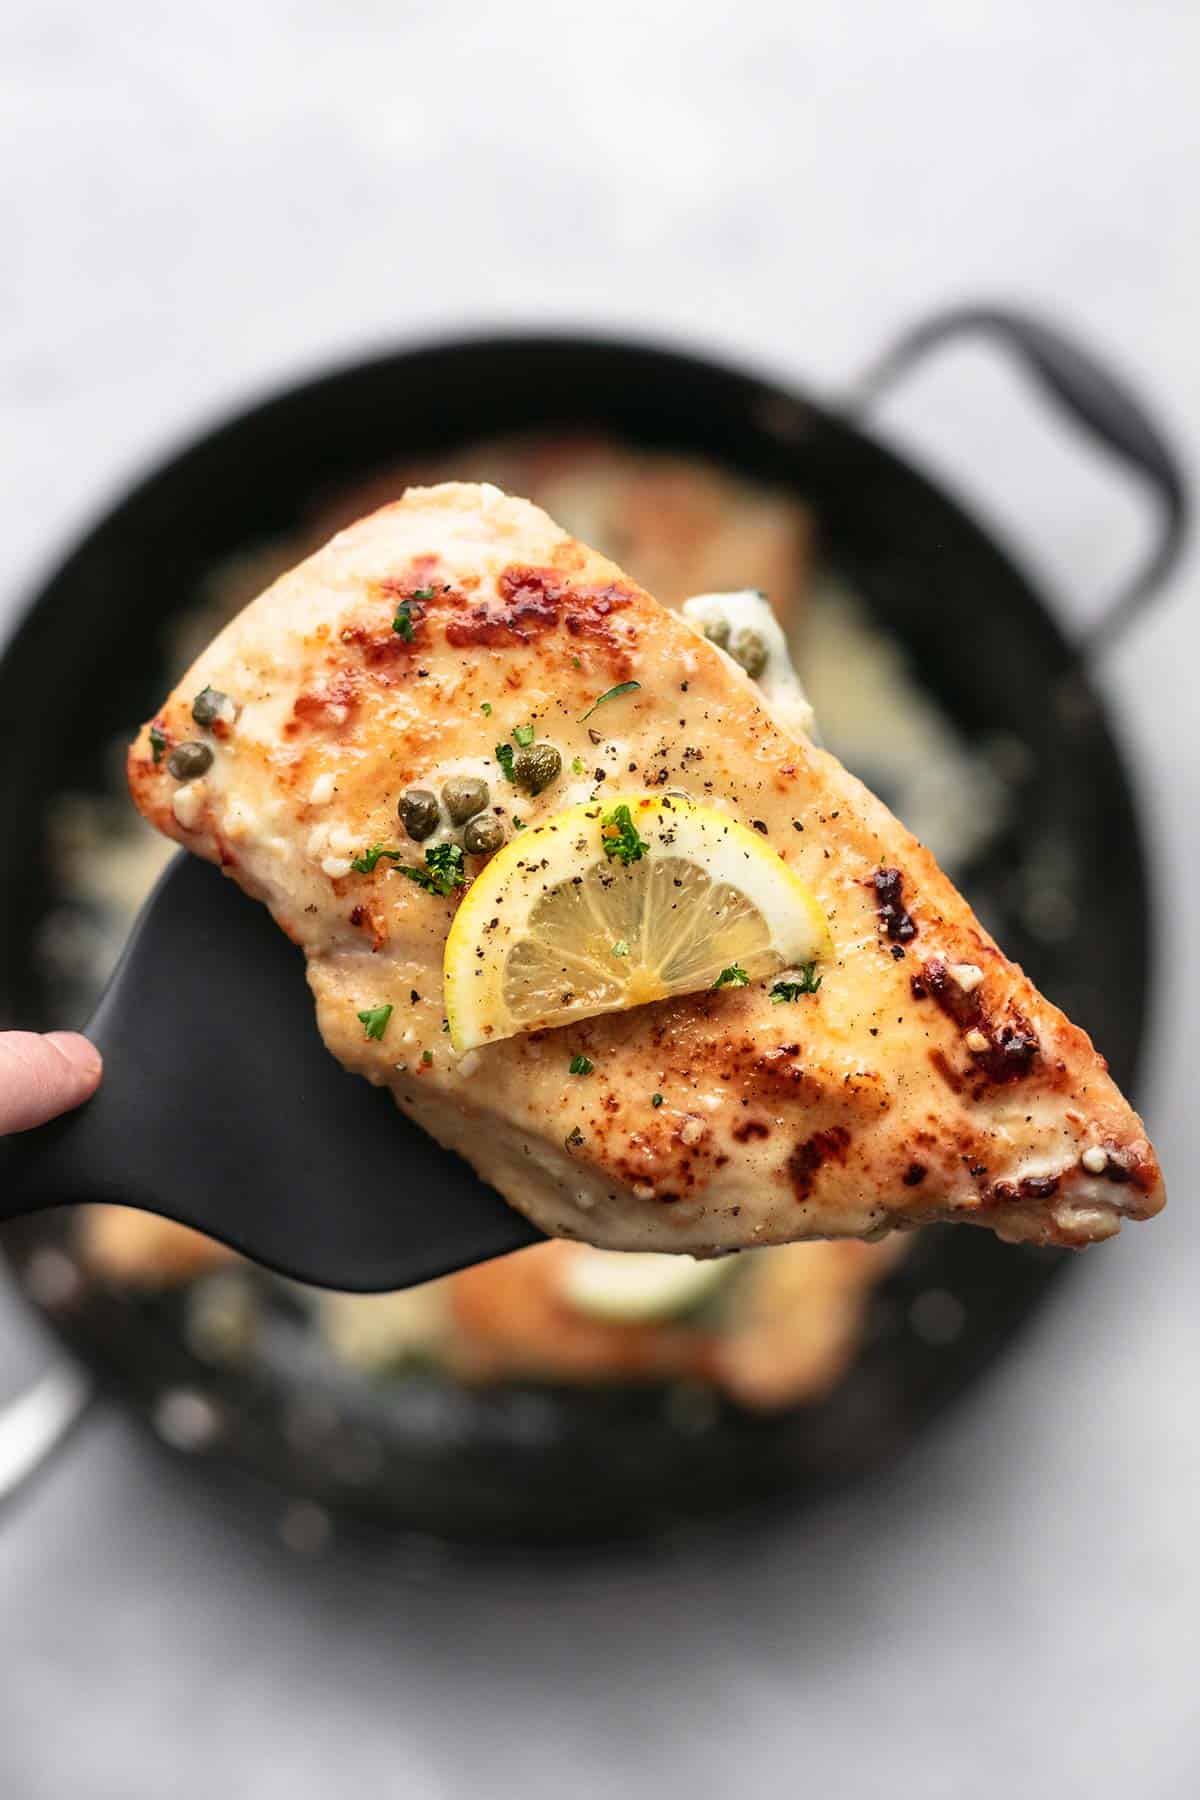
x,y
534,602
808,1158
896,921
1001,1052
328,706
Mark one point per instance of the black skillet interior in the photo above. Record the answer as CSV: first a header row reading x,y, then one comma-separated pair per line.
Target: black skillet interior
x,y
535,1463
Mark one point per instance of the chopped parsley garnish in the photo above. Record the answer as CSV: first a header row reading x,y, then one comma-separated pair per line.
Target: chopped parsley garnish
x,y
422,593
365,864
581,1065
620,948
808,983
524,734
158,743
486,709
577,765
518,824
403,622
573,1138
504,756
443,871
656,1101
427,1058
612,693
733,976
577,662
375,1020
619,835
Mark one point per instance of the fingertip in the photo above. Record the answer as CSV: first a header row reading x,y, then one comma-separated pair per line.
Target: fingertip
x,y
84,1059
41,1077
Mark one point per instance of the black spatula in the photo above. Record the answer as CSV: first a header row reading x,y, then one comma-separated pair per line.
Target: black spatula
x,y
220,1107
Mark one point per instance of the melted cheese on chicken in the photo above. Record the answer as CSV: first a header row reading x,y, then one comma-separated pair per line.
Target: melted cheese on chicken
x,y
927,1079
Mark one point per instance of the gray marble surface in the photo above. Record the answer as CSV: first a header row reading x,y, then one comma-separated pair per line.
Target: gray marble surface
x,y
200,202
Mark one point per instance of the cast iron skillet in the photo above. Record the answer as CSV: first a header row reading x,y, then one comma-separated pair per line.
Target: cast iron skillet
x,y
535,1463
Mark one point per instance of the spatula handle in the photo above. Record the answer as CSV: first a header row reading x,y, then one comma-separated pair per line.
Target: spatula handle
x,y
87,1154
176,1029
220,1107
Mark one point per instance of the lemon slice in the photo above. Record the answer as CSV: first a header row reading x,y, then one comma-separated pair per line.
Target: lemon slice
x,y
639,1287
609,906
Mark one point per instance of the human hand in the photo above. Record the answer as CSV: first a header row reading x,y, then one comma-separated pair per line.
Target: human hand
x,y
41,1077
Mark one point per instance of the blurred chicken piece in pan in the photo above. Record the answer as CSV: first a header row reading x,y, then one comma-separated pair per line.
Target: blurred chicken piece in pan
x,y
139,1250
678,524
769,1329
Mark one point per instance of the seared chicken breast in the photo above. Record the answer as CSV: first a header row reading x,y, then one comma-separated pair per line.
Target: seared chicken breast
x,y
925,1079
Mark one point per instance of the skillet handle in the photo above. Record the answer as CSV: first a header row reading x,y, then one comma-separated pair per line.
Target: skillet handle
x,y
1096,400
36,1424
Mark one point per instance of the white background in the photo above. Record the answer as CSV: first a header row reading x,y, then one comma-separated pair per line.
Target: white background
x,y
200,202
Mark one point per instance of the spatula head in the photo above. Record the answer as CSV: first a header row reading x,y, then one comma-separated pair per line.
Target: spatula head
x,y
221,1107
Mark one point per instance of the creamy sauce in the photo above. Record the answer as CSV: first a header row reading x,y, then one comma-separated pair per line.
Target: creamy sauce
x,y
748,610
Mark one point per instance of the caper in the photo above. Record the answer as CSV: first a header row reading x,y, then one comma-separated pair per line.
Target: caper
x,y
419,813
717,632
210,705
747,648
464,796
537,768
186,761
483,835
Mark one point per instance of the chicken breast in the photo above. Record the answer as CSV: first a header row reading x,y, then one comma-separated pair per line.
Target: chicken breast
x,y
925,1080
